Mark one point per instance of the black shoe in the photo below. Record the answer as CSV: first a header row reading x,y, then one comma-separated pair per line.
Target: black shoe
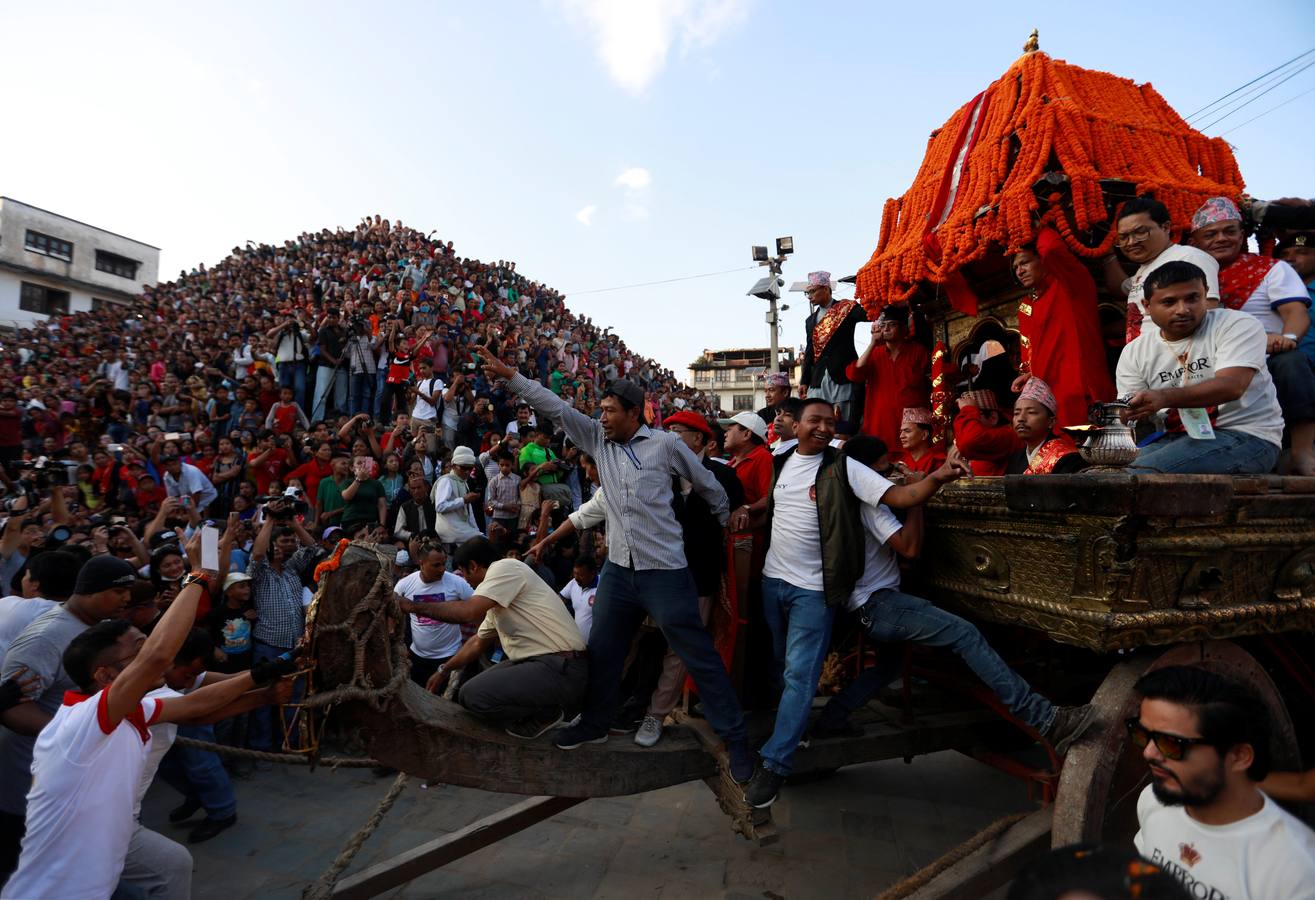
x,y
184,812
570,738
1069,724
528,729
624,726
741,761
209,828
762,790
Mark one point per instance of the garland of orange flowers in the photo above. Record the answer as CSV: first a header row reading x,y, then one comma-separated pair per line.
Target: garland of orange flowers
x,y
333,562
1056,118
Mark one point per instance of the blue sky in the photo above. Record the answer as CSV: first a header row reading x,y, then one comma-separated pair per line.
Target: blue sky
x,y
595,143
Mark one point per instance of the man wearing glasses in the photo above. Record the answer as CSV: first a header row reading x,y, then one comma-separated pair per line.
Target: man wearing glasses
x,y
1203,817
1144,239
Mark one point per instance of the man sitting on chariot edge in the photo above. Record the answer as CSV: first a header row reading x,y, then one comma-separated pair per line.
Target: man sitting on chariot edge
x,y
890,616
1206,367
1043,451
981,434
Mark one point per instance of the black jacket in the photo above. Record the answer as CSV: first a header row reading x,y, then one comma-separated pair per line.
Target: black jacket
x,y
839,351
705,550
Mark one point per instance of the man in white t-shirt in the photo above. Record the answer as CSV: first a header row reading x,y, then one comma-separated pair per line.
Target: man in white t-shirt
x,y
433,642
892,617
544,676
1145,239
1205,368
1203,817
1273,293
88,760
580,591
428,395
813,563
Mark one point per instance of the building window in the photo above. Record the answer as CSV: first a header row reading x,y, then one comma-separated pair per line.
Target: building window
x,y
702,376
116,264
50,246
37,298
741,402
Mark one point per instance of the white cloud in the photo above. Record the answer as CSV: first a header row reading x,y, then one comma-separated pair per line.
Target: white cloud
x,y
634,179
586,215
633,37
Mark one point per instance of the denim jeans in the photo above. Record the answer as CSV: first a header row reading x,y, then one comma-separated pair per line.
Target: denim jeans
x,y
264,732
362,392
293,375
625,596
800,623
891,616
379,378
199,775
330,392
1229,453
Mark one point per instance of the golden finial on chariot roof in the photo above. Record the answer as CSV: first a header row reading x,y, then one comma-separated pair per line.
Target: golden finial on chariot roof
x,y
1033,44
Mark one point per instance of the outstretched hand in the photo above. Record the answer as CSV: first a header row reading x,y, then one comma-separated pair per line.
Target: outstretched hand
x,y
493,366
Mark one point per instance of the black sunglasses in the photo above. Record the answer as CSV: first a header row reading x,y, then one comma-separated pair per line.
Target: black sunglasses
x,y
1172,746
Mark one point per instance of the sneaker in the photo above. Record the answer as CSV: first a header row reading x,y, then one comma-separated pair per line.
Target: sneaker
x,y
1069,724
762,790
741,761
184,812
531,727
650,731
570,738
209,828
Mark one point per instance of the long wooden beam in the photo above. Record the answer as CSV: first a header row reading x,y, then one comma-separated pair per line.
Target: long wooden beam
x,y
408,866
993,864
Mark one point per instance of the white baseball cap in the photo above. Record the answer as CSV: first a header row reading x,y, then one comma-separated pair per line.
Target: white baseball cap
x,y
751,421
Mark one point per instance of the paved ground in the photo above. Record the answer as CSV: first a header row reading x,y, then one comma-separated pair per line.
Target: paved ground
x,y
849,835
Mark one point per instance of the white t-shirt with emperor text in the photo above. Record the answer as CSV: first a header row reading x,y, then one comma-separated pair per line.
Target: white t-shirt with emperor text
x,y
530,619
1226,339
431,638
1197,257
85,774
795,553
1266,856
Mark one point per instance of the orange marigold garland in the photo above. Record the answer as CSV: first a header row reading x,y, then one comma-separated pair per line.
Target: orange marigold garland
x,y
333,562
1043,111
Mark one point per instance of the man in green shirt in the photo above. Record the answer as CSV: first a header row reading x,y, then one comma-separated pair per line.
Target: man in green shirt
x,y
328,498
537,462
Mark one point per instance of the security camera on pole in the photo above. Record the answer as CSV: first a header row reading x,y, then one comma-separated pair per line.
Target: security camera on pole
x,y
769,288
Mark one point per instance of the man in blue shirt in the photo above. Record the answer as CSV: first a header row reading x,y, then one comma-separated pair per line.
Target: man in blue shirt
x,y
1297,249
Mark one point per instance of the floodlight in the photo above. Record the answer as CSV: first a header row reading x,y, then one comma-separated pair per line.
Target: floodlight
x,y
760,254
784,246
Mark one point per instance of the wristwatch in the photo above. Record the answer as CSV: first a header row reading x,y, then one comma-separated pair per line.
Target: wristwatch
x,y
200,578
1292,337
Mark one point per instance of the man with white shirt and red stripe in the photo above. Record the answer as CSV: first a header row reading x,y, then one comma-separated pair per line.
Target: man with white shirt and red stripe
x,y
88,760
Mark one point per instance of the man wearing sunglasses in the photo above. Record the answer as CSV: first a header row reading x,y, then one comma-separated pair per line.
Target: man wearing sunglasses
x,y
1203,817
1145,239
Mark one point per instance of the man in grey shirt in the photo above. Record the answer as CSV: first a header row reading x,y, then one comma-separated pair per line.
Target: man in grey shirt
x,y
101,592
646,573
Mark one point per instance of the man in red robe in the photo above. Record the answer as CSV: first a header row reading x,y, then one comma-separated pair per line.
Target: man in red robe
x,y
1060,328
896,373
982,435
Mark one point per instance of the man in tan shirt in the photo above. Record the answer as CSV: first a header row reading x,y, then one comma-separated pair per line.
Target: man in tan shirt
x,y
543,678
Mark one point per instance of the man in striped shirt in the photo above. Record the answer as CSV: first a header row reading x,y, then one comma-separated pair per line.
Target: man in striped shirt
x,y
646,571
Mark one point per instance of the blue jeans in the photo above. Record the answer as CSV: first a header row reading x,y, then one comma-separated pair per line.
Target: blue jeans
x,y
379,379
293,375
362,392
891,616
625,596
263,730
800,623
199,775
330,392
1229,453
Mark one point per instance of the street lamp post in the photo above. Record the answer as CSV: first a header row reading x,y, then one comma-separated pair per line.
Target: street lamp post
x,y
769,289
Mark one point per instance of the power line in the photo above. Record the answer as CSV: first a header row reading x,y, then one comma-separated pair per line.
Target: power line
x,y
626,287
1250,94
1257,97
1193,115
1268,111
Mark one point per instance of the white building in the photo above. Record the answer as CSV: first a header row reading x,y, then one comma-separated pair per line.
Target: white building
x,y
734,378
52,265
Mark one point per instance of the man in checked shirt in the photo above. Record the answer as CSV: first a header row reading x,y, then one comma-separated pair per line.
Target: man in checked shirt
x,y
646,572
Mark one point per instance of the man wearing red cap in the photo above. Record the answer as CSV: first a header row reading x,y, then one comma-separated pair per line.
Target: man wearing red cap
x,y
1043,451
918,453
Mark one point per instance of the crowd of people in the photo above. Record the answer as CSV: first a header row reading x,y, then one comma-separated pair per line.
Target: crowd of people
x,y
563,510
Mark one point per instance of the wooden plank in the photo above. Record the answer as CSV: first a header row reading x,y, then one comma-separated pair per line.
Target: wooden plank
x,y
993,864
753,824
398,870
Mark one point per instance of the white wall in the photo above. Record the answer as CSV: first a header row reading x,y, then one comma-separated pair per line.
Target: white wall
x,y
11,288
